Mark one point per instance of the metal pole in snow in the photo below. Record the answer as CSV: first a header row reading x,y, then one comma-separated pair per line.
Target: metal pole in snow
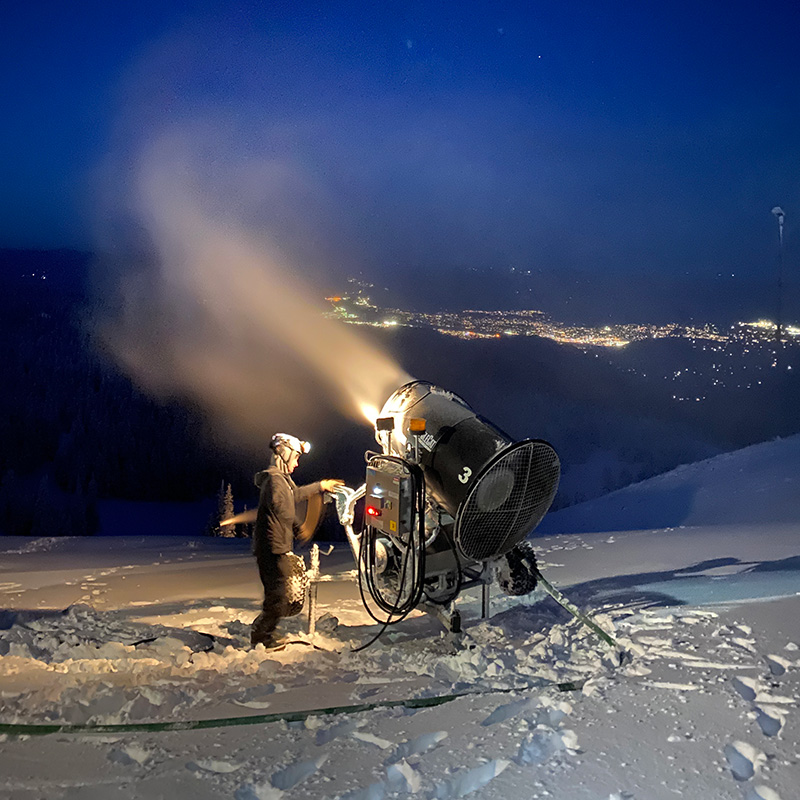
x,y
778,212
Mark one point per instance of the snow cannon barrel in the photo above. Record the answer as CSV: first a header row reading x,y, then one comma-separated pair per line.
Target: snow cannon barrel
x,y
496,490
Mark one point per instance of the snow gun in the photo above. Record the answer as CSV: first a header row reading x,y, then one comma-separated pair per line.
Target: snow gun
x,y
448,502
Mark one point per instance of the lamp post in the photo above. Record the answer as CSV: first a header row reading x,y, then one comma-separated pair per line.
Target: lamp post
x,y
778,212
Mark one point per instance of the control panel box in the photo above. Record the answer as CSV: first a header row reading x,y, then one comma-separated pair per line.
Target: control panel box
x,y
388,503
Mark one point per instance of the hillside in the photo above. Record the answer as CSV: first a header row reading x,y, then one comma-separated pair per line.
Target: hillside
x,y
757,484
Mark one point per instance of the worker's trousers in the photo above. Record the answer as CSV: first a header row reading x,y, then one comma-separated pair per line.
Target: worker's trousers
x,y
275,570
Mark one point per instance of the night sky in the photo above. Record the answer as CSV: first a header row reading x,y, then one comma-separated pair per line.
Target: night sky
x,y
603,136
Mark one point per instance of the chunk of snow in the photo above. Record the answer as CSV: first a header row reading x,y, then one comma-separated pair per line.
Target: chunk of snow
x,y
570,741
469,781
746,687
254,704
680,687
325,735
777,665
770,719
213,765
761,793
744,760
257,791
402,777
369,738
130,754
417,746
290,776
505,712
539,746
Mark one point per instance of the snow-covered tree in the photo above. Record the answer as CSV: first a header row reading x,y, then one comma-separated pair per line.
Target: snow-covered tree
x,y
223,511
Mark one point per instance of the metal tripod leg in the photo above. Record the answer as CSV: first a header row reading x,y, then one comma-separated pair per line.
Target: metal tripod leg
x,y
449,616
312,607
485,600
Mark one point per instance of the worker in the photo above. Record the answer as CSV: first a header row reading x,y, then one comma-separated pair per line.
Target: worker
x,y
276,528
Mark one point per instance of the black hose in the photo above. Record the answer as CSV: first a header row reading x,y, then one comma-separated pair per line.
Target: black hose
x,y
415,551
414,556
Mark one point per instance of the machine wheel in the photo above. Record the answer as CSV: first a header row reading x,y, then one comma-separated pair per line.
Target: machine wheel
x,y
516,570
298,586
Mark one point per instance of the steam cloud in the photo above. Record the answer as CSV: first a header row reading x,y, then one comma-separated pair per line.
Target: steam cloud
x,y
224,318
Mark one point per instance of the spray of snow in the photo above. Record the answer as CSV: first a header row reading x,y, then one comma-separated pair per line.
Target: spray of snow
x,y
239,240
226,319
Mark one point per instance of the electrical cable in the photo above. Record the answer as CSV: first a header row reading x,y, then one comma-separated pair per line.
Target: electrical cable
x,y
415,551
414,556
389,620
366,559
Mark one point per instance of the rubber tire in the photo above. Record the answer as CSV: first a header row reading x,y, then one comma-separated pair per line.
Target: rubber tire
x,y
517,572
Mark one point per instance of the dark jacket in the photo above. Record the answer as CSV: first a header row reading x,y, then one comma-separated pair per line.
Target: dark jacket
x,y
276,524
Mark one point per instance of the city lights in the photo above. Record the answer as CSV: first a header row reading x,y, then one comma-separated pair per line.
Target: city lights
x,y
741,357
358,309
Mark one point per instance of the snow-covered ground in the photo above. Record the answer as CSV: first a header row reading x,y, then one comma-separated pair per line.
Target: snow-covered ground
x,y
116,630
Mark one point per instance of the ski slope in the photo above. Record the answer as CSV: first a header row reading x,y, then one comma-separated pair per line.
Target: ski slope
x,y
756,485
137,629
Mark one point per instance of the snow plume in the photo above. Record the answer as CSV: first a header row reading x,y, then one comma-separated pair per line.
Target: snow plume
x,y
225,316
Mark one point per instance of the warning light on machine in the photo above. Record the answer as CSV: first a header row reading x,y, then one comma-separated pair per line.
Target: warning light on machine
x,y
373,512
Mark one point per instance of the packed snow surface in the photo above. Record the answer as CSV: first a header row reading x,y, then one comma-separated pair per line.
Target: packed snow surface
x,y
130,630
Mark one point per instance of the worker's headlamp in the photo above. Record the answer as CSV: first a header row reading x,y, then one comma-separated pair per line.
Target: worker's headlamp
x,y
292,442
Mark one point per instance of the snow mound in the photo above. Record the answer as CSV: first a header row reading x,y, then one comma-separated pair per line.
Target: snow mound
x,y
755,485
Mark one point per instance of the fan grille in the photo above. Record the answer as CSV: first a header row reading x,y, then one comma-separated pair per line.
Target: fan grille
x,y
507,501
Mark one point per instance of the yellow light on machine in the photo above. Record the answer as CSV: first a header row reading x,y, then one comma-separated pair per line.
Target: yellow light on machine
x,y
416,425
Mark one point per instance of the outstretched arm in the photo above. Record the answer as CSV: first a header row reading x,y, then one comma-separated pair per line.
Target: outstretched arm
x,y
305,532
310,489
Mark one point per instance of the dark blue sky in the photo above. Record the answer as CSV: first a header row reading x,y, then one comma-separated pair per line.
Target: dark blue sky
x,y
630,137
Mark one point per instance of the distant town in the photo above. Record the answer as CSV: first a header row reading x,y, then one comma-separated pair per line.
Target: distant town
x,y
744,356
356,308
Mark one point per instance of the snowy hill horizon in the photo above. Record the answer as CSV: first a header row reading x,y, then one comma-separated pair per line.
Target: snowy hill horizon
x,y
706,492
